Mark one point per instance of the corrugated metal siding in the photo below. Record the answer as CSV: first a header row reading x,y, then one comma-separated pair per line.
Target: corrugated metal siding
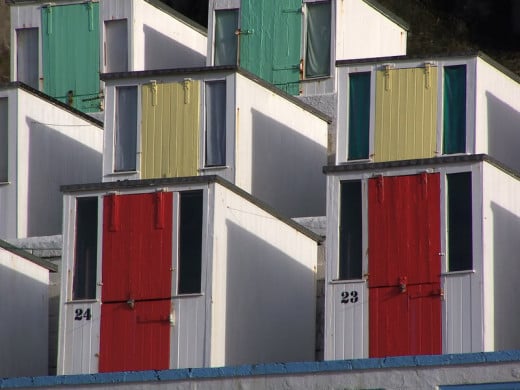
x,y
458,337
348,324
170,129
137,247
70,36
135,337
406,114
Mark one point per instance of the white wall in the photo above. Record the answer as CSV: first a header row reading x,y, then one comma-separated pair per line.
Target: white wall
x,y
55,147
24,304
281,149
363,32
264,292
497,114
501,208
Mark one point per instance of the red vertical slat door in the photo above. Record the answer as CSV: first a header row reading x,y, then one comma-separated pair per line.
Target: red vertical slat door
x,y
135,337
404,265
137,246
136,276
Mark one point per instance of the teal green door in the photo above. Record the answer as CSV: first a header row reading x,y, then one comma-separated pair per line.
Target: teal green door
x,y
270,41
70,40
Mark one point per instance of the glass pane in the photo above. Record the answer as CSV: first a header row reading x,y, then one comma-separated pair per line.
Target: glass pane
x,y
358,115
350,231
317,57
190,242
4,150
126,129
216,123
460,241
226,23
116,37
27,56
454,140
85,249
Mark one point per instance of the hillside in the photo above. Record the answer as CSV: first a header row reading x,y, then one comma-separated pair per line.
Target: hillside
x,y
436,26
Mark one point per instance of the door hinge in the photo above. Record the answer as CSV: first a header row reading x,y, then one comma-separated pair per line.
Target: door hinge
x,y
187,90
427,75
153,85
387,78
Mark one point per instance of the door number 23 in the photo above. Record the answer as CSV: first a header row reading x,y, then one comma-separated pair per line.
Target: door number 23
x,y
349,297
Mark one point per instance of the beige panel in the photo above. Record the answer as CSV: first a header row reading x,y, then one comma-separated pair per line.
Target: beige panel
x,y
170,129
406,114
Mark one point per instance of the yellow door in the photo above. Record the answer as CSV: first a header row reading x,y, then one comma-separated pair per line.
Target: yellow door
x,y
170,129
406,114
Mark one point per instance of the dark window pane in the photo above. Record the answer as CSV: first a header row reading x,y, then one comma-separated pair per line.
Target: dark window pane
x,y
126,129
226,23
454,138
460,242
4,150
317,58
215,123
350,231
85,250
190,242
358,115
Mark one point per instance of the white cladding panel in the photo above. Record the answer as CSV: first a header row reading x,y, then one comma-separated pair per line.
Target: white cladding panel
x,y
8,191
279,141
24,307
162,41
55,147
364,32
497,114
501,207
264,289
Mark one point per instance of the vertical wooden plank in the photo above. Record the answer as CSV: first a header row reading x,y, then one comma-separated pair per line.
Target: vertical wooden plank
x,y
406,119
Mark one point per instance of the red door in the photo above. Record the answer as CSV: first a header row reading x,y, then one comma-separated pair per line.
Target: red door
x,y
135,337
404,265
136,275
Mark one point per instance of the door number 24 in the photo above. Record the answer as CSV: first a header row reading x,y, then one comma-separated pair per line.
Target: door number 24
x,y
81,314
349,297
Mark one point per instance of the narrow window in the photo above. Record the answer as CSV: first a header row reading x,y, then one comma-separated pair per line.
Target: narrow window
x,y
190,242
358,115
226,24
317,56
215,123
350,233
454,117
460,242
4,150
85,249
116,46
27,56
126,129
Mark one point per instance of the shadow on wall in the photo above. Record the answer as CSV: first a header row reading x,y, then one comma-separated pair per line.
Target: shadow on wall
x,y
269,317
503,131
287,168
506,248
55,159
23,338
163,52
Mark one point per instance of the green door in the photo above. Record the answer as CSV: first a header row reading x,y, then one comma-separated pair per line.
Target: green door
x,y
70,40
270,41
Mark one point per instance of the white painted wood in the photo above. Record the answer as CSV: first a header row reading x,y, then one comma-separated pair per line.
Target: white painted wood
x,y
24,307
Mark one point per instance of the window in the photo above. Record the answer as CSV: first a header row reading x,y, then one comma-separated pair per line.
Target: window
x,y
215,123
4,149
126,129
460,242
350,231
454,116
85,249
116,46
27,56
317,42
190,242
226,41
358,115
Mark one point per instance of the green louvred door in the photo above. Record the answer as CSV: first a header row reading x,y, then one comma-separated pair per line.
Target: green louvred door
x,y
70,39
270,41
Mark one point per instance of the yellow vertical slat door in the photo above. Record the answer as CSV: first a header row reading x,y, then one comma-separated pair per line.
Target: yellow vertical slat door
x,y
170,129
406,114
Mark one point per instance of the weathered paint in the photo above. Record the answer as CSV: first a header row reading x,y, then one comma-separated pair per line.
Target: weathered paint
x,y
270,41
70,50
170,131
405,114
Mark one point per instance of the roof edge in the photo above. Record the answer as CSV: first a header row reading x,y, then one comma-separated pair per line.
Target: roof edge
x,y
179,16
389,14
51,100
28,256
